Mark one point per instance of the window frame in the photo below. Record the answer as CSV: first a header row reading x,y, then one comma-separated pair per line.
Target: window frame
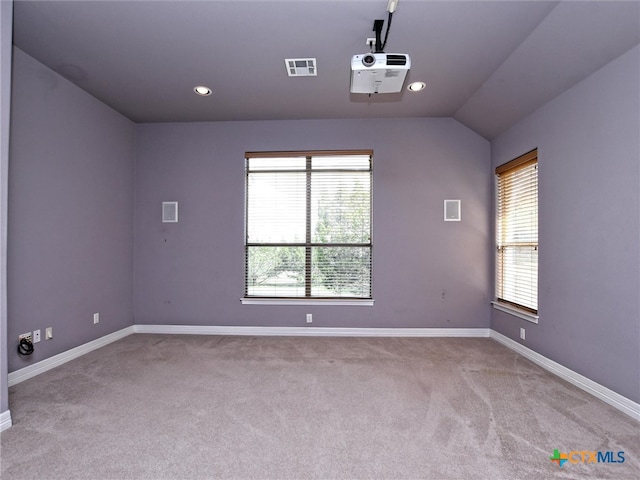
x,y
308,244
526,312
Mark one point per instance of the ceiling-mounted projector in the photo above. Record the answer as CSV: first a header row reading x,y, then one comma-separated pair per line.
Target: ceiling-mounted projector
x,y
379,72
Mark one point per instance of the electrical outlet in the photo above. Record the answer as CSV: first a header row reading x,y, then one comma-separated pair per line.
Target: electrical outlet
x,y
96,318
309,318
370,42
522,334
36,336
25,335
48,333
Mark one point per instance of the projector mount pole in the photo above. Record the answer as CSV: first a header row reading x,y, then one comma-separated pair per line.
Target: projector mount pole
x,y
377,27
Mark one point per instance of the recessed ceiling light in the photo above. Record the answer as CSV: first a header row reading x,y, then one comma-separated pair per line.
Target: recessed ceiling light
x,y
202,90
416,86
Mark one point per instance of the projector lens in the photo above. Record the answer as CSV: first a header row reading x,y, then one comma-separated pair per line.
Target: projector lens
x,y
368,60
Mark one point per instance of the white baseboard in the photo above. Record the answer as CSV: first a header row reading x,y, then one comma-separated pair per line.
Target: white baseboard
x,y
614,399
312,331
52,362
5,420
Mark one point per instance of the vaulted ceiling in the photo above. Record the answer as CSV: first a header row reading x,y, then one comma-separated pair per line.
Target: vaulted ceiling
x,y
485,63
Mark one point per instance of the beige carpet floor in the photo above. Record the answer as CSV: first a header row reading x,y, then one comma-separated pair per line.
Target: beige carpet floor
x,y
206,407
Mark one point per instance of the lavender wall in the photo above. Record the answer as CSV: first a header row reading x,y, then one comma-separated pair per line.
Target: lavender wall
x,y
70,213
589,179
191,272
6,29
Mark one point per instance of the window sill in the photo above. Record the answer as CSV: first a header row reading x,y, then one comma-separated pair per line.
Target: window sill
x,y
528,316
308,301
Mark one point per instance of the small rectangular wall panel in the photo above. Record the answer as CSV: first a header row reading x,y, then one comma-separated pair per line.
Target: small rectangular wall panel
x,y
169,212
452,211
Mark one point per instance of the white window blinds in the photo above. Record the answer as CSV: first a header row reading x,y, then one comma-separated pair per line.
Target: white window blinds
x,y
308,224
517,232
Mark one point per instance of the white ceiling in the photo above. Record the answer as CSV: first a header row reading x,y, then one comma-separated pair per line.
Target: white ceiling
x,y
485,63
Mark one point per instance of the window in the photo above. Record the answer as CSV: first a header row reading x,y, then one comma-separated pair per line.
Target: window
x,y
308,225
517,233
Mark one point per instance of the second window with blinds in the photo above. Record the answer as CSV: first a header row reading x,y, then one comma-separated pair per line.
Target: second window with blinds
x,y
517,235
308,225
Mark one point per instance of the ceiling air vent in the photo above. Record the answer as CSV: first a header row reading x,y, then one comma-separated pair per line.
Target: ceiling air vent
x,y
301,67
